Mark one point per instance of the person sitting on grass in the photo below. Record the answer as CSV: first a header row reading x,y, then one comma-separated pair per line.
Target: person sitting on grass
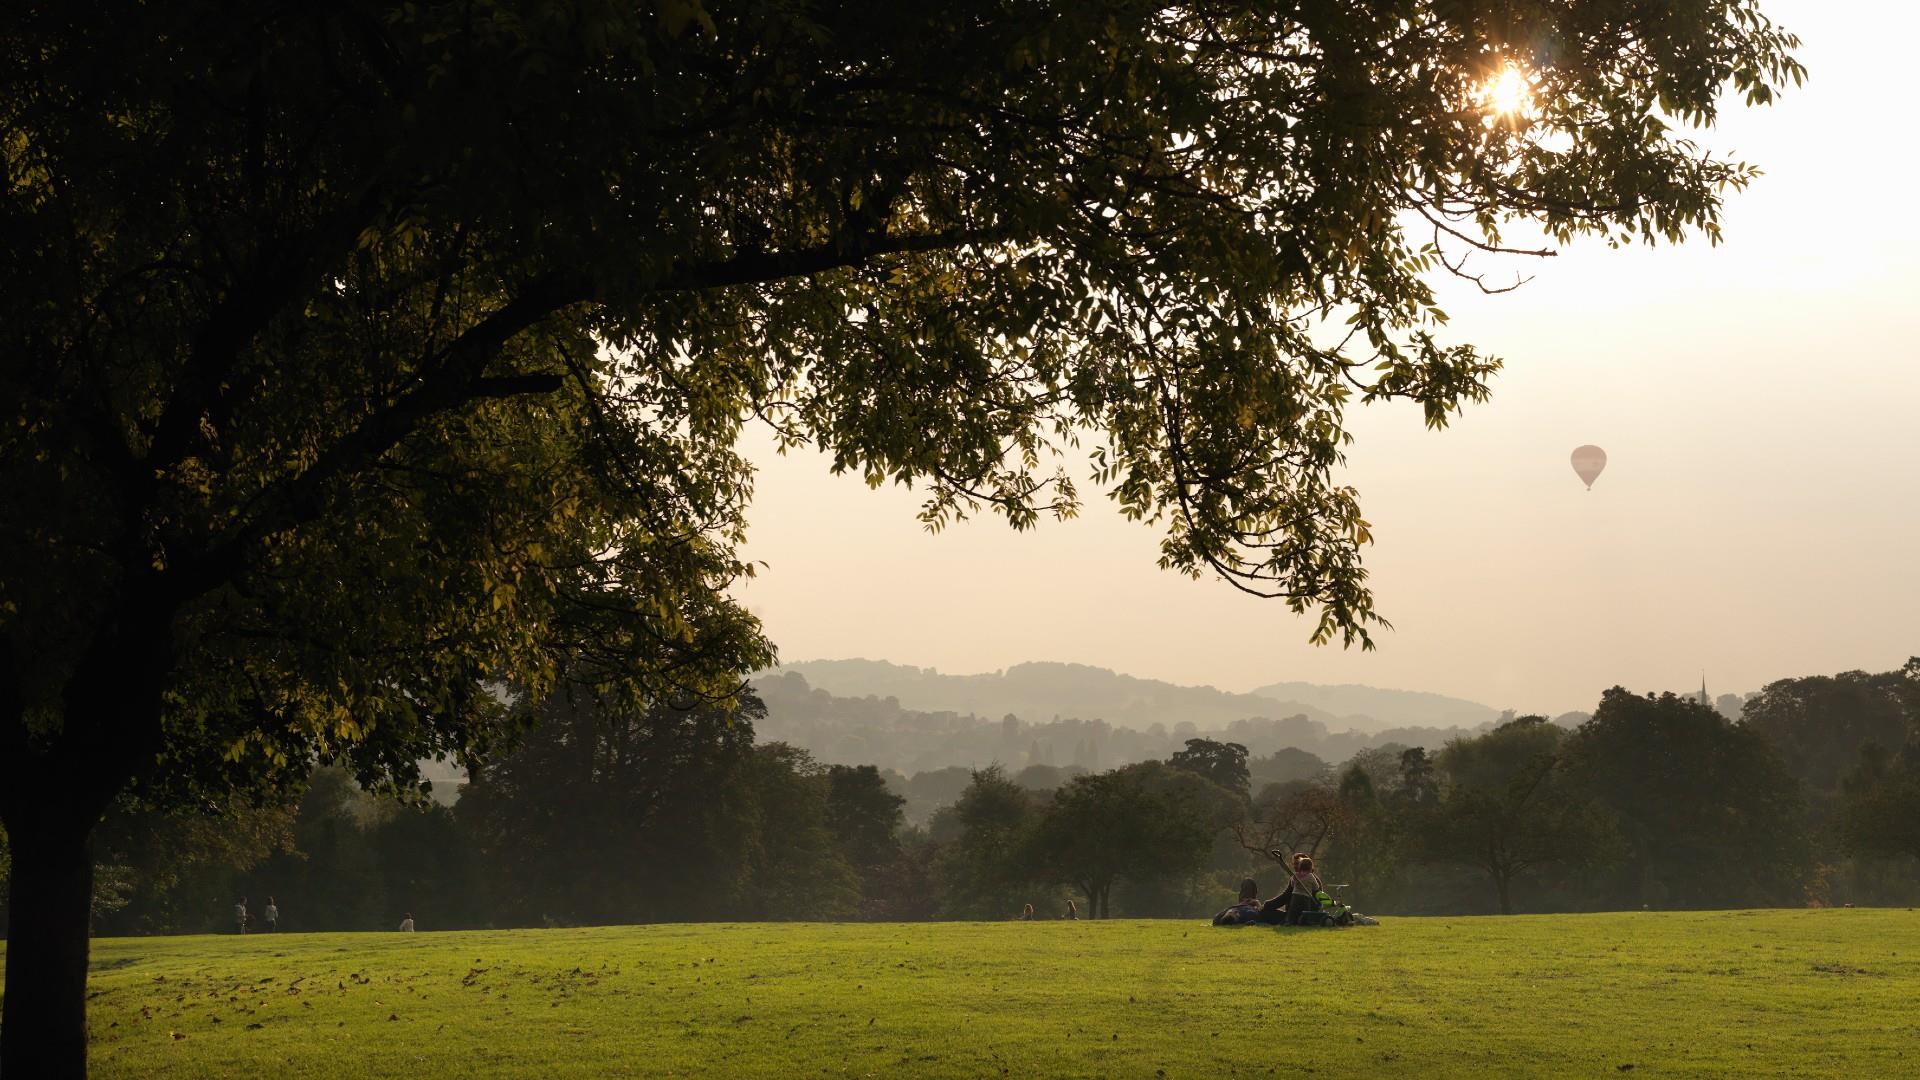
x,y
1246,910
1303,890
1301,896
406,924
1026,913
1073,911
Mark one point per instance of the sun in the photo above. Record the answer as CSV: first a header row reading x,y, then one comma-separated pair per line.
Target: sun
x,y
1507,93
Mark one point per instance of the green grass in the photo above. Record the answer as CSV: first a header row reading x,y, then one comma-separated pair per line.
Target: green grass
x,y
1795,993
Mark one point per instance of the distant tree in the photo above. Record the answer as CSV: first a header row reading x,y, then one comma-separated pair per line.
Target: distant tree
x,y
1135,823
332,878
907,887
606,813
427,865
865,819
1356,786
1363,849
1820,724
1284,765
1880,806
793,867
983,868
1419,787
1710,814
1296,817
1506,809
176,872
1383,766
934,788
1224,763
1047,777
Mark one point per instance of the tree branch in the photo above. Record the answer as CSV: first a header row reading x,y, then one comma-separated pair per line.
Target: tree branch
x,y
451,378
261,293
759,267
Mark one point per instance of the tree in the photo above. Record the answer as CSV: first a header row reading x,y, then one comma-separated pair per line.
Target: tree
x,y
1363,849
794,863
1507,810
982,870
1295,817
934,788
1708,811
1418,786
1880,809
1047,777
1224,763
1283,766
1820,724
608,814
179,869
1138,823
363,358
864,818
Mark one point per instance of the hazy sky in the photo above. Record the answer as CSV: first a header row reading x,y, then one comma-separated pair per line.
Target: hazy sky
x,y
1759,403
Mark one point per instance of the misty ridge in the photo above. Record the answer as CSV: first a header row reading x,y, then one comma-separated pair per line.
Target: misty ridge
x,y
930,729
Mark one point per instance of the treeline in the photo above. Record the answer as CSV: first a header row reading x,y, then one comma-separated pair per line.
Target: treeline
x,y
597,816
1654,801
603,815
1810,798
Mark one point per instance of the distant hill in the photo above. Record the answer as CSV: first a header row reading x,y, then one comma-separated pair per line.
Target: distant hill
x,y
1039,692
926,752
1383,708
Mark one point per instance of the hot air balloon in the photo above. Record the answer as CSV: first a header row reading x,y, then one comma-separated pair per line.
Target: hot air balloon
x,y
1587,462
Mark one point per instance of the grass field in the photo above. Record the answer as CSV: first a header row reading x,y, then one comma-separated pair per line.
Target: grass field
x,y
1788,993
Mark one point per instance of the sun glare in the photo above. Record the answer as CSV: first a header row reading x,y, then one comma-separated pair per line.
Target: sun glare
x,y
1507,93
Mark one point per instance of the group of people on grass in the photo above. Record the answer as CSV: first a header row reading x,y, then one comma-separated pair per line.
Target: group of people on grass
x,y
1072,912
1304,902
269,920
269,917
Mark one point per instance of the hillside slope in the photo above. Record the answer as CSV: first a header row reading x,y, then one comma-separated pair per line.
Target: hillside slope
x,y
1041,691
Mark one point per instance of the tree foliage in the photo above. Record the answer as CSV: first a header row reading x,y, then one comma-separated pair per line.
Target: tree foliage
x,y
1144,823
1223,763
1711,814
983,869
609,814
1821,723
1880,814
1507,810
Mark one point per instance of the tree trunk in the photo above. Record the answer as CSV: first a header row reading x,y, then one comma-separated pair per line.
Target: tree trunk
x,y
43,1031
1503,883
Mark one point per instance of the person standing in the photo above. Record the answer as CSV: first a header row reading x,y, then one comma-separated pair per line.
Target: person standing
x,y
271,916
240,914
406,924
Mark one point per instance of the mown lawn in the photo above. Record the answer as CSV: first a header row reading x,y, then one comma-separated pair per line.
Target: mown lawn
x,y
1793,993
